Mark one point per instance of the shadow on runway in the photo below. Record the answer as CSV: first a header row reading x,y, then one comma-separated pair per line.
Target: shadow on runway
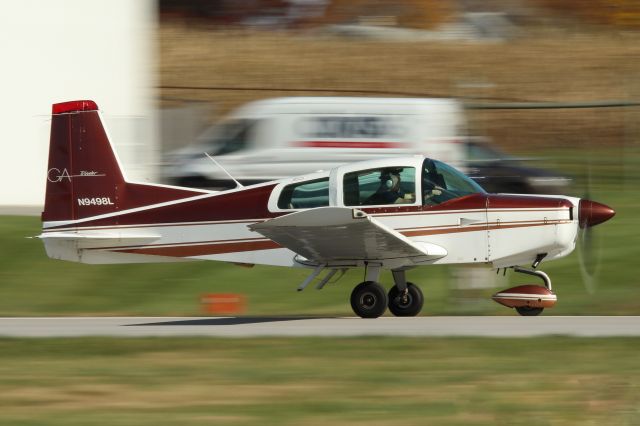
x,y
224,321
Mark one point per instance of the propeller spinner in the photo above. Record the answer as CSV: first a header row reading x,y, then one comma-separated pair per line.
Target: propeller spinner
x,y
591,213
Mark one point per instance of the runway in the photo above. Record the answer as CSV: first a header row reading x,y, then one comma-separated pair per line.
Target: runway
x,y
508,326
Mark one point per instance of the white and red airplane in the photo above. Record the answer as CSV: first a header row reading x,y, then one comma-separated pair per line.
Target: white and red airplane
x,y
393,214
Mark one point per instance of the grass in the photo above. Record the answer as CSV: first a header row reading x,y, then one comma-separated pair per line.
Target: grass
x,y
362,381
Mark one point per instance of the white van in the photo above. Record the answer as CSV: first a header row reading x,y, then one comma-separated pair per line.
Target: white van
x,y
275,138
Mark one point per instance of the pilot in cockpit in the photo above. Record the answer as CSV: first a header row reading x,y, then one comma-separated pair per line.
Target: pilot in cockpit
x,y
390,191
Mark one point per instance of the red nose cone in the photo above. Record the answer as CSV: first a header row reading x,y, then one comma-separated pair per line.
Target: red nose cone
x,y
591,213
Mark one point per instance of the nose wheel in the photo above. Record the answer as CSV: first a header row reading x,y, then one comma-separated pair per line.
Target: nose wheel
x,y
526,311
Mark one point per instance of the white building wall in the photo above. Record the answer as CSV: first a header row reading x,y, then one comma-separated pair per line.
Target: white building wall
x,y
56,51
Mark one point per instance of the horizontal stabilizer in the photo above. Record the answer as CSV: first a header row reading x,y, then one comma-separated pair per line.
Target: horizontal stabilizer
x,y
97,239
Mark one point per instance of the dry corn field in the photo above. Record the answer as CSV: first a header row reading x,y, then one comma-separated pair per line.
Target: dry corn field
x,y
549,65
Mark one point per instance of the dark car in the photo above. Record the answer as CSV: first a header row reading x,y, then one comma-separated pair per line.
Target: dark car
x,y
496,172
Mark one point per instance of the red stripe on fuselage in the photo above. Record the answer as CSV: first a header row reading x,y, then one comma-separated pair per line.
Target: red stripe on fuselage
x,y
203,249
350,144
483,227
503,201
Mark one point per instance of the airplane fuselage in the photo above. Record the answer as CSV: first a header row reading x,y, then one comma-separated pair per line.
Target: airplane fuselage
x,y
503,230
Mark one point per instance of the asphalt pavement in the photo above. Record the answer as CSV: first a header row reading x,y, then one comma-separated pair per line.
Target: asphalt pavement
x,y
502,326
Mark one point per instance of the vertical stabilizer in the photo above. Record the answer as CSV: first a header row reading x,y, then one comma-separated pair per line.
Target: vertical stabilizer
x,y
84,177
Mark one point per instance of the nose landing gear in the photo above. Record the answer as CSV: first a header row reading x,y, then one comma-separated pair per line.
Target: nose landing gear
x,y
528,300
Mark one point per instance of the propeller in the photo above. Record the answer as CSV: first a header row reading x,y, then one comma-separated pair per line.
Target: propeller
x,y
588,247
590,213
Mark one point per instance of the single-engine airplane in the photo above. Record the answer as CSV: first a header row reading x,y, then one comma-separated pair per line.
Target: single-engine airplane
x,y
393,214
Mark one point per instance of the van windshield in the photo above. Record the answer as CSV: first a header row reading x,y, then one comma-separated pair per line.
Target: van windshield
x,y
441,182
227,137
480,151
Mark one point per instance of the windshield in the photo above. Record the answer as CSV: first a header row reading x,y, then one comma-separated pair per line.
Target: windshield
x,y
441,182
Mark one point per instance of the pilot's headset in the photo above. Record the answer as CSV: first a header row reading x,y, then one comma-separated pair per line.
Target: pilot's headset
x,y
390,180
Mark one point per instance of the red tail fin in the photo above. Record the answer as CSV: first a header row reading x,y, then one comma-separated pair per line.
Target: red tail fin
x,y
84,177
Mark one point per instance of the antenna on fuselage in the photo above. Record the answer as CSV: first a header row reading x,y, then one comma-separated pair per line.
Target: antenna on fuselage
x,y
224,170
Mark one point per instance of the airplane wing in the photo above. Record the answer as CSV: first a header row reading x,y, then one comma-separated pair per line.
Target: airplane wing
x,y
338,234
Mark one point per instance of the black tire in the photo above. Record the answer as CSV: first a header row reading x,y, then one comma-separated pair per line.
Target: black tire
x,y
408,306
526,311
369,299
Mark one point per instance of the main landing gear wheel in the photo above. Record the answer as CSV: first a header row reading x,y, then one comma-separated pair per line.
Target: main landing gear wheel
x,y
526,311
406,304
369,299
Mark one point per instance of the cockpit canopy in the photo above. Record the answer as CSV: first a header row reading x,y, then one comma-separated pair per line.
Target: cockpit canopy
x,y
378,183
